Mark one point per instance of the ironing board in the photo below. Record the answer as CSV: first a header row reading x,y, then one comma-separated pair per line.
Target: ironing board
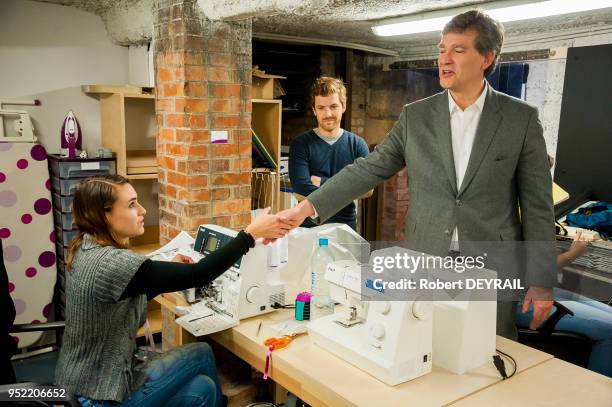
x,y
26,229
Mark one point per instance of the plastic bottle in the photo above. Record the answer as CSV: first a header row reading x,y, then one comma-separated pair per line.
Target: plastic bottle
x,y
321,303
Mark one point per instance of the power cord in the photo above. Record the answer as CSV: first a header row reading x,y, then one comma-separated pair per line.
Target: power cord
x,y
501,366
278,305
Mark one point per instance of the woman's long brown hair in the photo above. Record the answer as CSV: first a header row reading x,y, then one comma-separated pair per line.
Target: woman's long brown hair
x,y
93,198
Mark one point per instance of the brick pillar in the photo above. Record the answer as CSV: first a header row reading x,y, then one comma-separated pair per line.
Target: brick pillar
x,y
395,201
203,83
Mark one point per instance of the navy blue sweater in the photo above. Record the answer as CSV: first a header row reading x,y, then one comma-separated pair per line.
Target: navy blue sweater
x,y
309,155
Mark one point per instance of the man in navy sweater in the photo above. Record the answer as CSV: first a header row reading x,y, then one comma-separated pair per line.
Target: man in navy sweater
x,y
318,154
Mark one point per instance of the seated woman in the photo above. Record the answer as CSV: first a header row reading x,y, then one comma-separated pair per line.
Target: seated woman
x,y
591,318
107,287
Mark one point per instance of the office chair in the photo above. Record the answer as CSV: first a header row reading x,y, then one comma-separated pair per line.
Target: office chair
x,y
568,346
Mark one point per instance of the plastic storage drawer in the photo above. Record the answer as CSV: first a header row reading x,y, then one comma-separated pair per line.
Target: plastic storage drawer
x,y
62,203
64,220
64,187
81,169
61,251
65,236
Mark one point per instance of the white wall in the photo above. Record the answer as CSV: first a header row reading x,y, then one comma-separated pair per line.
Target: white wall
x,y
47,52
545,91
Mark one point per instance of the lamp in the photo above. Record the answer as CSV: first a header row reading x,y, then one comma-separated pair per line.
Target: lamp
x,y
504,11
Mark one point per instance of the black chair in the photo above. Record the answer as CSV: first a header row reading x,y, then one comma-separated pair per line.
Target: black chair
x,y
569,346
9,347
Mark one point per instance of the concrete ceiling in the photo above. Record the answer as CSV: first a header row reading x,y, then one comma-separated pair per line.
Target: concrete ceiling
x,y
130,21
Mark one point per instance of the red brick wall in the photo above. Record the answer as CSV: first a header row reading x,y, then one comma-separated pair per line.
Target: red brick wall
x,y
395,203
203,83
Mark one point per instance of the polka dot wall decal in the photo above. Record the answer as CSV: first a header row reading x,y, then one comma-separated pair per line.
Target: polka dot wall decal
x,y
16,339
47,310
46,259
38,152
22,164
35,321
26,218
2,177
12,253
42,206
48,184
11,287
5,233
20,306
8,198
52,237
30,272
5,146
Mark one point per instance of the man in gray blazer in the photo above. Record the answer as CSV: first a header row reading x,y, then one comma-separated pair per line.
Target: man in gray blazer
x,y
472,156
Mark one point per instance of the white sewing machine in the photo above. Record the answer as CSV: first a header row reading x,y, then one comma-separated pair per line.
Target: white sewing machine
x,y
391,340
247,289
464,331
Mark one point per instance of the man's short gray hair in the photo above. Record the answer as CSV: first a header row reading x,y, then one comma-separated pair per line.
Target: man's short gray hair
x,y
490,33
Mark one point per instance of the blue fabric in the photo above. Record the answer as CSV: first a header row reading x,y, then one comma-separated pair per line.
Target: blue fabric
x,y
183,377
309,155
591,318
597,216
509,78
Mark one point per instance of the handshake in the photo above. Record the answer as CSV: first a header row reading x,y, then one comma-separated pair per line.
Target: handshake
x,y
271,227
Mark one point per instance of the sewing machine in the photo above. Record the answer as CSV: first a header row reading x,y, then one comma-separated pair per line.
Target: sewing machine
x,y
247,289
391,340
396,339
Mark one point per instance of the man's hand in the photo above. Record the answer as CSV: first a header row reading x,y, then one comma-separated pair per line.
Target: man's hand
x,y
295,216
315,180
542,300
270,227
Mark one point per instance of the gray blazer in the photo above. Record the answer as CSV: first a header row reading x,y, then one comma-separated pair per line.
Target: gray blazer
x,y
508,165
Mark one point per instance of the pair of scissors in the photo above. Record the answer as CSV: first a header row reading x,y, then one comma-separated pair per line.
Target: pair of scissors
x,y
278,343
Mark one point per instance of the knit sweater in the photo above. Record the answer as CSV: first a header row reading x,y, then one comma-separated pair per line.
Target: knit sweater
x,y
310,155
100,328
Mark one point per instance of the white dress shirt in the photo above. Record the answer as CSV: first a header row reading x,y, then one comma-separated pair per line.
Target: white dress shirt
x,y
464,124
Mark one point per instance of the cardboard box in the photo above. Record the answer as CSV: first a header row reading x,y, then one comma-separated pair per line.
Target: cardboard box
x,y
266,86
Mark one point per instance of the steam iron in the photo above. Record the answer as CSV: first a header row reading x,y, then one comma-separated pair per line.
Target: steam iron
x,y
71,135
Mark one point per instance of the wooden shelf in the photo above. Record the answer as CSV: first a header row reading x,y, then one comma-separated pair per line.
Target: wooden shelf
x,y
138,96
266,122
155,318
270,101
149,237
145,249
142,176
128,91
141,164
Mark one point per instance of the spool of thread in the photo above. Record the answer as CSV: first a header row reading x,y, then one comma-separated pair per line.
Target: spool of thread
x,y
302,306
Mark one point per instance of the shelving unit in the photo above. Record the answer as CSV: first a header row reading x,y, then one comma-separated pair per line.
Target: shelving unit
x,y
127,116
266,121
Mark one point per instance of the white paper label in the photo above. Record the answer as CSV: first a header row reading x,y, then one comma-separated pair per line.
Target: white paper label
x,y
90,166
218,136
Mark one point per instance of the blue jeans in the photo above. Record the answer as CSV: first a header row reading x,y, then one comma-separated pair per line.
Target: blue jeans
x,y
184,376
591,319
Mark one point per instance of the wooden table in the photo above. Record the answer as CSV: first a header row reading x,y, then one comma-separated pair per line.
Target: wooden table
x,y
322,379
553,383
